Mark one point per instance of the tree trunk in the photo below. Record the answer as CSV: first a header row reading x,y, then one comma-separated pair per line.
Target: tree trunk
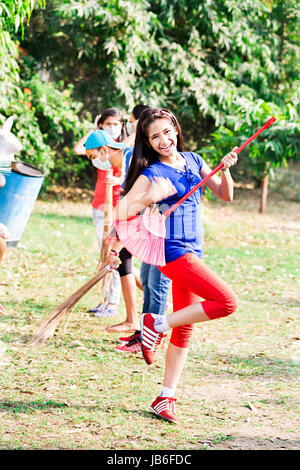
x,y
264,193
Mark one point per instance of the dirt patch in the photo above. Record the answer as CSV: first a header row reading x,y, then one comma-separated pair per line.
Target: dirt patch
x,y
251,420
263,442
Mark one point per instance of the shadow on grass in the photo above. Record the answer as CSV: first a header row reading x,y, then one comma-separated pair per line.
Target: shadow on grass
x,y
149,415
31,406
23,406
28,311
14,308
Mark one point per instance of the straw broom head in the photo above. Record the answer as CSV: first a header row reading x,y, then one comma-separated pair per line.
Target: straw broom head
x,y
49,325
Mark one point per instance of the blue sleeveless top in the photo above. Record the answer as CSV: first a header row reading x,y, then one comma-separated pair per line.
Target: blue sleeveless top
x,y
184,226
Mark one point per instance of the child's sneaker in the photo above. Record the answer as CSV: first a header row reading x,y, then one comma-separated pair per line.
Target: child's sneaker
x,y
100,311
164,407
104,311
110,312
97,309
133,346
126,339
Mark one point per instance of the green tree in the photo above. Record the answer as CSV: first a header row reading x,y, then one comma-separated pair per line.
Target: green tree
x,y
12,97
46,116
223,66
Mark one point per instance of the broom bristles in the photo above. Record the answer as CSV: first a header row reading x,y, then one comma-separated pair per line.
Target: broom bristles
x,y
49,325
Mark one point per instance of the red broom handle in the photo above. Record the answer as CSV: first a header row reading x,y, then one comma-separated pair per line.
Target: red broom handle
x,y
263,128
219,167
174,207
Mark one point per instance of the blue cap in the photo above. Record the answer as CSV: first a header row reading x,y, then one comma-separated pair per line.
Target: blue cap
x,y
99,138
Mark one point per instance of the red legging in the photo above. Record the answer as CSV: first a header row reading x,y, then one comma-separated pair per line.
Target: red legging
x,y
193,281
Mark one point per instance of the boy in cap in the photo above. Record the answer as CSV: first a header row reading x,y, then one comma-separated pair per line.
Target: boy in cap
x,y
105,153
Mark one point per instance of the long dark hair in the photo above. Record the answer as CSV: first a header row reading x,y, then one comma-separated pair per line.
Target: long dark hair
x,y
114,112
138,109
143,154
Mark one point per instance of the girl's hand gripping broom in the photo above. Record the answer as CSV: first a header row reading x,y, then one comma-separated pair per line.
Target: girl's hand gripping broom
x,y
144,235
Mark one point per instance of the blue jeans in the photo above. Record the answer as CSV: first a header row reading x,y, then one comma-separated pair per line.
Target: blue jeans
x,y
156,289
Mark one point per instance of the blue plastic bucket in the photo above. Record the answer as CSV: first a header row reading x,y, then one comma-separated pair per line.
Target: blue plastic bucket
x,y
17,198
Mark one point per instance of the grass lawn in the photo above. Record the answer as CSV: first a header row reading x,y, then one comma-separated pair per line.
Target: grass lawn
x,y
239,389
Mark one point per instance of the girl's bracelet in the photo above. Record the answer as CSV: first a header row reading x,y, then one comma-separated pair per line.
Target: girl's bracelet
x,y
113,252
223,170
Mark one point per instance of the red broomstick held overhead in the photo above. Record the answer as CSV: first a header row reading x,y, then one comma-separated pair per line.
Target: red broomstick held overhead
x,y
144,235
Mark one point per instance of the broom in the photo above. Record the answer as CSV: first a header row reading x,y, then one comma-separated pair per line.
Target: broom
x,y
48,327
108,220
143,235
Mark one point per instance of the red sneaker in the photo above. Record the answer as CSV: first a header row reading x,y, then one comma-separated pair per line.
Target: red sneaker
x,y
133,346
151,339
126,339
164,407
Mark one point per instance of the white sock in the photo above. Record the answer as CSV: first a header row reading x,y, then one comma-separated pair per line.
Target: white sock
x,y
167,392
161,323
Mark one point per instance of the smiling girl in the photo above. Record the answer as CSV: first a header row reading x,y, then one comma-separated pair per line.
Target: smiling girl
x,y
158,164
